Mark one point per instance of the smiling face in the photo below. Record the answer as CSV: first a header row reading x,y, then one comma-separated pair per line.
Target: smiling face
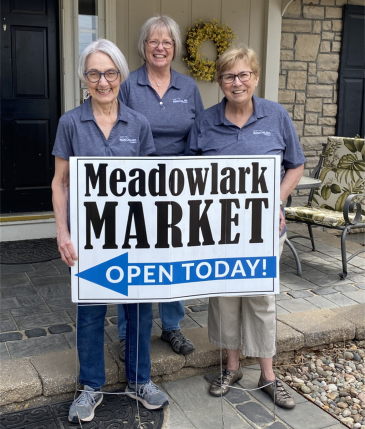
x,y
102,92
239,93
159,57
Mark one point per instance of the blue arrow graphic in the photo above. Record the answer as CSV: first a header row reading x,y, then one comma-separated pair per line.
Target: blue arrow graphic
x,y
117,274
98,274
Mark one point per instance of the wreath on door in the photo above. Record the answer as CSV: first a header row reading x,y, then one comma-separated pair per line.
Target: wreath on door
x,y
221,35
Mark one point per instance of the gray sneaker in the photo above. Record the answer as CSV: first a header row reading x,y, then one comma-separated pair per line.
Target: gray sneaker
x,y
148,394
83,407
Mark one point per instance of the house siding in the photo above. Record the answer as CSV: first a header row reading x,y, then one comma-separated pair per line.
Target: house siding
x,y
247,18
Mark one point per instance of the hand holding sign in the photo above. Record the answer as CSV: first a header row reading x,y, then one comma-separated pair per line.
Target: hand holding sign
x,y
66,248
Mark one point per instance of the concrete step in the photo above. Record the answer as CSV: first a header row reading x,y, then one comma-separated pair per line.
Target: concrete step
x,y
50,377
27,226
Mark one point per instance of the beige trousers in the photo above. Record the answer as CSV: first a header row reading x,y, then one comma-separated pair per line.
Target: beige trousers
x,y
247,322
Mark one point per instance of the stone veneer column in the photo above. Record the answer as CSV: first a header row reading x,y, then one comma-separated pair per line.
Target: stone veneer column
x,y
310,56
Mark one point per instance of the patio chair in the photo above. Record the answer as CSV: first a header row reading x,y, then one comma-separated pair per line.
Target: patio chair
x,y
337,203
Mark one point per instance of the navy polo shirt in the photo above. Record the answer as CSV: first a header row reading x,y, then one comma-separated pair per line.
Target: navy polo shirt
x,y
78,134
269,131
172,116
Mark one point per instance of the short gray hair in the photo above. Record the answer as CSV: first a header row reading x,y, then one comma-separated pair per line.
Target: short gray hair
x,y
106,47
234,54
159,22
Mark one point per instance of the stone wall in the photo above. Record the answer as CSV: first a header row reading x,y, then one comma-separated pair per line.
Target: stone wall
x,y
310,56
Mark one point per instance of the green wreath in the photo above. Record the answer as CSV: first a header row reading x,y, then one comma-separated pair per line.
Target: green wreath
x,y
221,35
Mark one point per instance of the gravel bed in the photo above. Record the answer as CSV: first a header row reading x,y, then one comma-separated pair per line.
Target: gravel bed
x,y
333,378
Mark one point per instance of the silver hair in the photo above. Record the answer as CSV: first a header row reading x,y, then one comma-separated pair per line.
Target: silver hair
x,y
160,22
109,48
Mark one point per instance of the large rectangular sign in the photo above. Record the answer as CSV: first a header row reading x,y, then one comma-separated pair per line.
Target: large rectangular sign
x,y
166,229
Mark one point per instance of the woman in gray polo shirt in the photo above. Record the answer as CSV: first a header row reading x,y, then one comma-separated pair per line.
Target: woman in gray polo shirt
x,y
243,124
170,101
96,128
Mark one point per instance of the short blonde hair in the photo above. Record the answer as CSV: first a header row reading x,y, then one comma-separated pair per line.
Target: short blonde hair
x,y
234,54
160,22
106,47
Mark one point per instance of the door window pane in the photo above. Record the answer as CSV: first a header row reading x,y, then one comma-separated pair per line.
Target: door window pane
x,y
88,23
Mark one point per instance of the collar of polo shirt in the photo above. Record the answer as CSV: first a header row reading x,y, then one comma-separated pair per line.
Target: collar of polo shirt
x,y
258,110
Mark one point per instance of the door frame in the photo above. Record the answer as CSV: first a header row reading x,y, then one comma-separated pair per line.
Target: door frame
x,y
69,48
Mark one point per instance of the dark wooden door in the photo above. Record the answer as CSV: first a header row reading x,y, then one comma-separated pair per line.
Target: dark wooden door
x,y
351,101
30,102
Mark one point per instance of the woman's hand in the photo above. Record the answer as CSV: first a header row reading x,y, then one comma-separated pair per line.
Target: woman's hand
x,y
282,222
66,248
60,185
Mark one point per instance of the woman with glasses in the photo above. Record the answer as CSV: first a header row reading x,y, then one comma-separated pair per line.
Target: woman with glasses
x,y
94,129
170,101
243,124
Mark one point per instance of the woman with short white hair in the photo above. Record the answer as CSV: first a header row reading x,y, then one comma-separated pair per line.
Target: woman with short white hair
x,y
94,129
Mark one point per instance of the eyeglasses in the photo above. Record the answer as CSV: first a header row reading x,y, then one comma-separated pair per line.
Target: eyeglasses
x,y
243,77
94,76
167,44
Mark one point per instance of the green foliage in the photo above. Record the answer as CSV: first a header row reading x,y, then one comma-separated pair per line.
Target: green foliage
x,y
349,143
326,192
335,189
348,165
341,201
324,172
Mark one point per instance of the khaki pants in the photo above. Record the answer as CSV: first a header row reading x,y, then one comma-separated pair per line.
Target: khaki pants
x,y
247,322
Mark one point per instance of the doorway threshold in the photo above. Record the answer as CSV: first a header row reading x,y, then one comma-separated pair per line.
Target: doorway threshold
x,y
27,226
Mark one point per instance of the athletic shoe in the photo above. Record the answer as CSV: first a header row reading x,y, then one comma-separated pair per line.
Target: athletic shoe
x,y
84,406
148,394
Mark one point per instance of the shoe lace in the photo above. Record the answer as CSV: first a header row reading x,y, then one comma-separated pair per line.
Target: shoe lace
x,y
224,377
281,391
85,398
149,388
178,336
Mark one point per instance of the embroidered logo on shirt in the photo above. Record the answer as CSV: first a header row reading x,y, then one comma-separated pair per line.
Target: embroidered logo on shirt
x,y
126,139
179,100
265,133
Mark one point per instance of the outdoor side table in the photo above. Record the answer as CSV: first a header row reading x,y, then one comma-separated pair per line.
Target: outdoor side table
x,y
304,183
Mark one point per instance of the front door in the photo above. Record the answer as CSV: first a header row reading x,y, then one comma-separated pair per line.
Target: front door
x,y
351,96
30,106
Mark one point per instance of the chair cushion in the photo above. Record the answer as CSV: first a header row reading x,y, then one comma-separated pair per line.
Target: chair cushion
x,y
319,216
342,174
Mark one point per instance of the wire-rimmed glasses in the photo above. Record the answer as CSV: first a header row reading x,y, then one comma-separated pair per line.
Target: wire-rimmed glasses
x,y
167,44
94,75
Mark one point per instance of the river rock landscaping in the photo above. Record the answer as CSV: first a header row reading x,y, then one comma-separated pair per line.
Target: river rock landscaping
x,y
333,378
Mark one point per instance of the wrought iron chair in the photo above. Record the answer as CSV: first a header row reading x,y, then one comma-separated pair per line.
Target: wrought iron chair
x,y
337,203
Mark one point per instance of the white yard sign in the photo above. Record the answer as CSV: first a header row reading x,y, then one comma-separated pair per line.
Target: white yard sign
x,y
166,229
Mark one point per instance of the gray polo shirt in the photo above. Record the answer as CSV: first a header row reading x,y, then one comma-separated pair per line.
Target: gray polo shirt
x,y
269,131
78,134
171,116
